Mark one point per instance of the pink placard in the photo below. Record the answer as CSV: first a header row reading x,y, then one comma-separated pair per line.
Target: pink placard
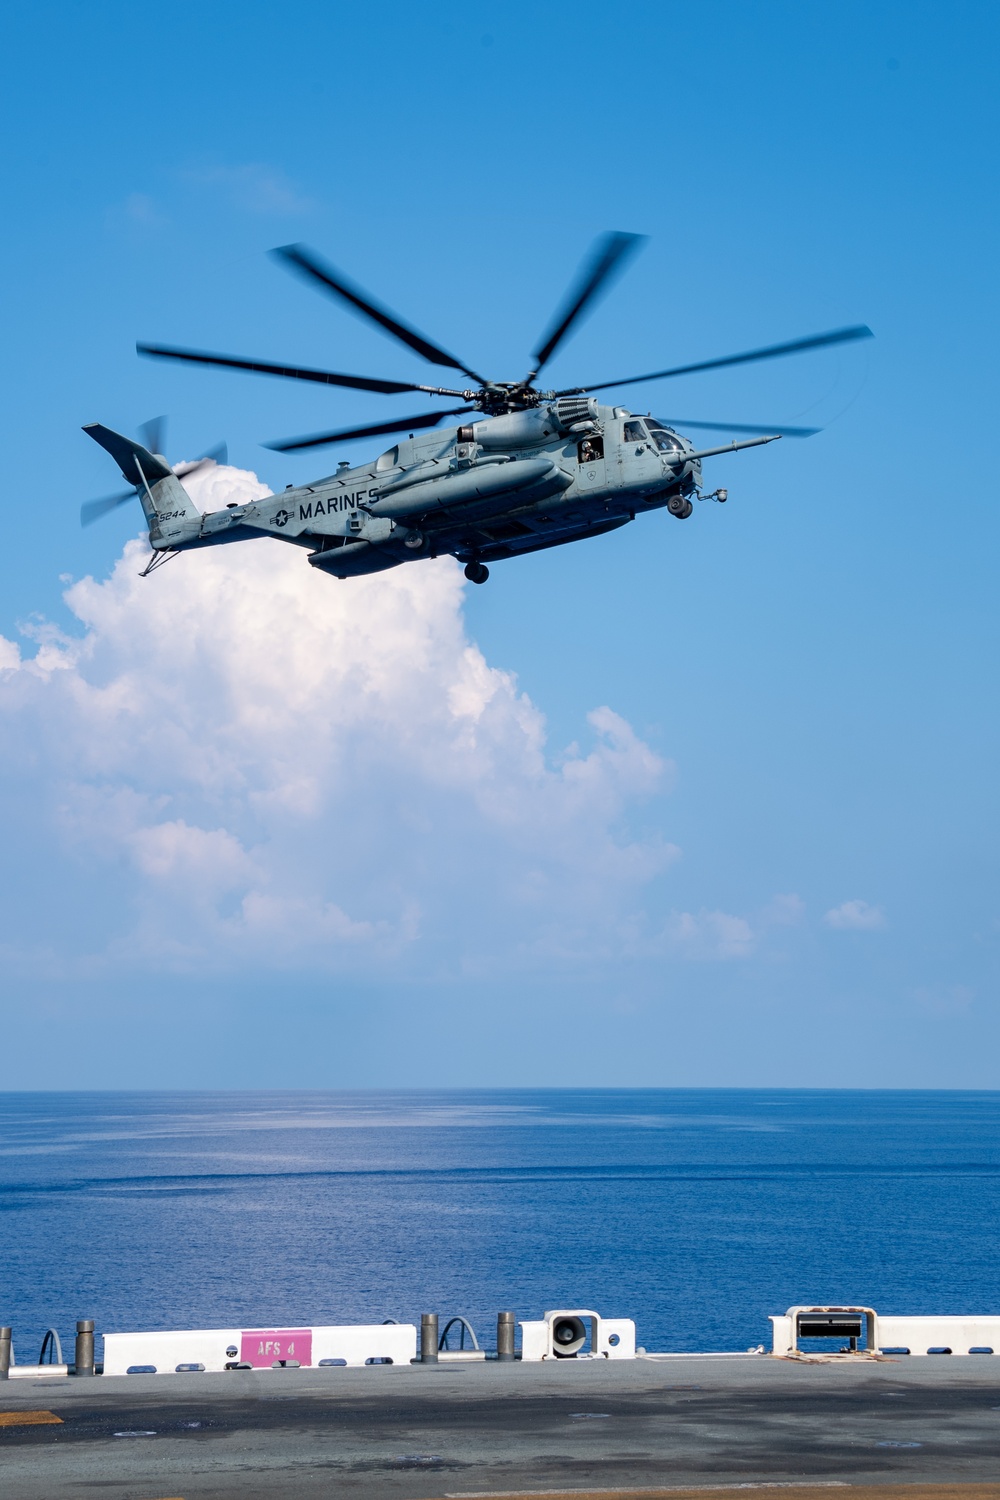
x,y
263,1347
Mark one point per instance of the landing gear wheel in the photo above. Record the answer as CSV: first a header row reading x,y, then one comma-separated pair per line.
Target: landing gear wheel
x,y
680,507
477,572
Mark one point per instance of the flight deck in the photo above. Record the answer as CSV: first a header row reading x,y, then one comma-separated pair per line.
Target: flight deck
x,y
481,1429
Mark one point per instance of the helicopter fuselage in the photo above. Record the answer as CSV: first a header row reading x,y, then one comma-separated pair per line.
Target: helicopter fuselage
x,y
489,490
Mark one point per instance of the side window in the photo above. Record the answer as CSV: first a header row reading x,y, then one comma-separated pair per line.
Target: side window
x,y
388,460
635,432
591,449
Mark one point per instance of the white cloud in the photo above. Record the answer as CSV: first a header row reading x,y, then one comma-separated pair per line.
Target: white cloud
x,y
241,763
784,911
256,186
710,935
855,916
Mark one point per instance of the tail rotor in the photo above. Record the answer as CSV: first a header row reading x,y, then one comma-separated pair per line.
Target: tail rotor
x,y
153,434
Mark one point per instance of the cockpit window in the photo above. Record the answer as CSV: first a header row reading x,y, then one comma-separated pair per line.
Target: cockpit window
x,y
665,440
635,432
388,460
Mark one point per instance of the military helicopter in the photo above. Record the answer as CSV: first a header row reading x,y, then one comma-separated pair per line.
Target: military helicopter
x,y
532,468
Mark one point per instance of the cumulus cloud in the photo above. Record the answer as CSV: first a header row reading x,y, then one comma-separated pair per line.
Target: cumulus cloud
x,y
241,763
855,916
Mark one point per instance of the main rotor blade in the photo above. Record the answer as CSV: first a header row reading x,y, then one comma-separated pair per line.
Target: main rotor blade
x,y
289,372
93,510
303,261
154,434
772,351
607,257
381,429
799,432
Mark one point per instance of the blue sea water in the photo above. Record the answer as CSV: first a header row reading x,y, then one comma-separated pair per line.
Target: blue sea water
x,y
697,1212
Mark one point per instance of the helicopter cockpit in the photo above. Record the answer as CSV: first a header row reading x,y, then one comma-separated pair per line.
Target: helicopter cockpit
x,y
652,430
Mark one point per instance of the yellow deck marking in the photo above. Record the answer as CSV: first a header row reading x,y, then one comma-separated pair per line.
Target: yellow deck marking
x,y
27,1418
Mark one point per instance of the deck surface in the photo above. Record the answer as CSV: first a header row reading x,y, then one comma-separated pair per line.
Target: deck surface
x,y
420,1432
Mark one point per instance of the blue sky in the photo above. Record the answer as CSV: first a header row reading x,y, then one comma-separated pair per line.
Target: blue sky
x,y
773,859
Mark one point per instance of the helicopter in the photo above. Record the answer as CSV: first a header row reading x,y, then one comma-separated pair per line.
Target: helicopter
x,y
530,468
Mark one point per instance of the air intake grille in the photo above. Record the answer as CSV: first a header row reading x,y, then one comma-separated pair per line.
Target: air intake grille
x,y
570,409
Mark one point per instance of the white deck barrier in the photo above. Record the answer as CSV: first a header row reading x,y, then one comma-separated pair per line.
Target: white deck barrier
x,y
962,1335
889,1334
259,1348
610,1338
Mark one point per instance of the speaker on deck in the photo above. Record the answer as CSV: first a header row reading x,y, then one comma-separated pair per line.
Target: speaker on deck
x,y
569,1334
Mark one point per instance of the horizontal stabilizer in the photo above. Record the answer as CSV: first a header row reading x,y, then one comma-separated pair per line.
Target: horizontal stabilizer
x,y
130,456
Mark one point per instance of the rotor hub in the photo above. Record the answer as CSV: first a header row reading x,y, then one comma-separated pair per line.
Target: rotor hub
x,y
497,399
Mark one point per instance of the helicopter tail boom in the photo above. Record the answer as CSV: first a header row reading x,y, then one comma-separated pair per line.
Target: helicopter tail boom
x,y
170,513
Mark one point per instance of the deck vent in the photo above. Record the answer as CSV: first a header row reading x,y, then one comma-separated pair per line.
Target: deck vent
x,y
829,1326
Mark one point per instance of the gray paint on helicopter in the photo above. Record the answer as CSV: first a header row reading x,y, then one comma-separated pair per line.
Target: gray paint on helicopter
x,y
537,469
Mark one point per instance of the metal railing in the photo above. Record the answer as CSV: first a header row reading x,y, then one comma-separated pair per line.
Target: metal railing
x,y
52,1347
464,1324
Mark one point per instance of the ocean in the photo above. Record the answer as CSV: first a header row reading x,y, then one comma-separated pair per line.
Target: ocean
x,y
697,1212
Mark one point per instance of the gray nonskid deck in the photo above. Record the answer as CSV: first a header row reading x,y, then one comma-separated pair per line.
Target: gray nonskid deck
x,y
413,1431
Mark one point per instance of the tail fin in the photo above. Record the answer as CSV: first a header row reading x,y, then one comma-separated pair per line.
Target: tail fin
x,y
170,513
